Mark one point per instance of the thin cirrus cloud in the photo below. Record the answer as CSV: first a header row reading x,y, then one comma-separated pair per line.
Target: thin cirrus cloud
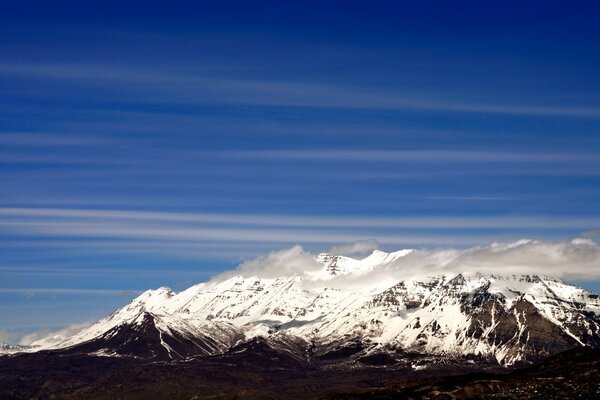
x,y
439,156
161,85
80,270
226,236
48,139
120,230
72,291
305,164
432,222
15,158
472,198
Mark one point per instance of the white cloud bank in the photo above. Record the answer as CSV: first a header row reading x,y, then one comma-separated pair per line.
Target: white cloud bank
x,y
277,263
55,336
7,337
574,259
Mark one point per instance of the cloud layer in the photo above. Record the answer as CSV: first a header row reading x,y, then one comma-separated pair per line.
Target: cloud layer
x,y
575,259
56,336
223,235
203,89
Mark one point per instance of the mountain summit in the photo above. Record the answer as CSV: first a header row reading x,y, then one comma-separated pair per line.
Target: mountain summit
x,y
490,318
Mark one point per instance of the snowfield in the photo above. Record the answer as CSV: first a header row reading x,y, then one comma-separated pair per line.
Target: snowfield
x,y
509,318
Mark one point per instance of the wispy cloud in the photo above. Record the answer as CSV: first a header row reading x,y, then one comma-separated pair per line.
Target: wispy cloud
x,y
8,337
472,198
52,335
163,85
433,222
230,236
437,156
108,271
29,158
69,291
120,230
48,139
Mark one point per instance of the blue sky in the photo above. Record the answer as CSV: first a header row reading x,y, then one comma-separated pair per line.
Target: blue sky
x,y
150,144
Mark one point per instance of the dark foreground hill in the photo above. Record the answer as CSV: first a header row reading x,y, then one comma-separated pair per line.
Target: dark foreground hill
x,y
574,374
259,372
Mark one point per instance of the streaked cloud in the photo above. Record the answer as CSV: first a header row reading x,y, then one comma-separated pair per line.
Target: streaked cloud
x,y
230,236
472,198
69,291
438,156
120,230
48,139
160,85
433,222
82,271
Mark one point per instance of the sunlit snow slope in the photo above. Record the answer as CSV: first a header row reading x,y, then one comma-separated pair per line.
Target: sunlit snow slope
x,y
504,318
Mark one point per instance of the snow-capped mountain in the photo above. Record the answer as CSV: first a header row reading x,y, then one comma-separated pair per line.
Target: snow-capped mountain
x,y
506,319
8,349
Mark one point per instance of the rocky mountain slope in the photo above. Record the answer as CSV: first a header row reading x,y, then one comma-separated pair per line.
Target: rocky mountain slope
x,y
329,314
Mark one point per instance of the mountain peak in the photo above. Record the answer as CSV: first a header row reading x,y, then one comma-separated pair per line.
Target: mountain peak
x,y
509,318
342,265
381,257
153,297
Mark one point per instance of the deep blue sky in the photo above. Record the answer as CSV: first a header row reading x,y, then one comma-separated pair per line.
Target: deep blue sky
x,y
253,126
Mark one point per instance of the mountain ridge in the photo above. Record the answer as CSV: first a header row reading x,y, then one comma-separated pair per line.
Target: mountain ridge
x,y
503,319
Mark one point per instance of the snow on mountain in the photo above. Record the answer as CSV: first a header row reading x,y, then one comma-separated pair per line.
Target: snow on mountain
x,y
147,301
340,265
10,349
506,318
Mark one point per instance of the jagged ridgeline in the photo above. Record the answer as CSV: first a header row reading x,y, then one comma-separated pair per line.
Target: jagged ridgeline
x,y
463,317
